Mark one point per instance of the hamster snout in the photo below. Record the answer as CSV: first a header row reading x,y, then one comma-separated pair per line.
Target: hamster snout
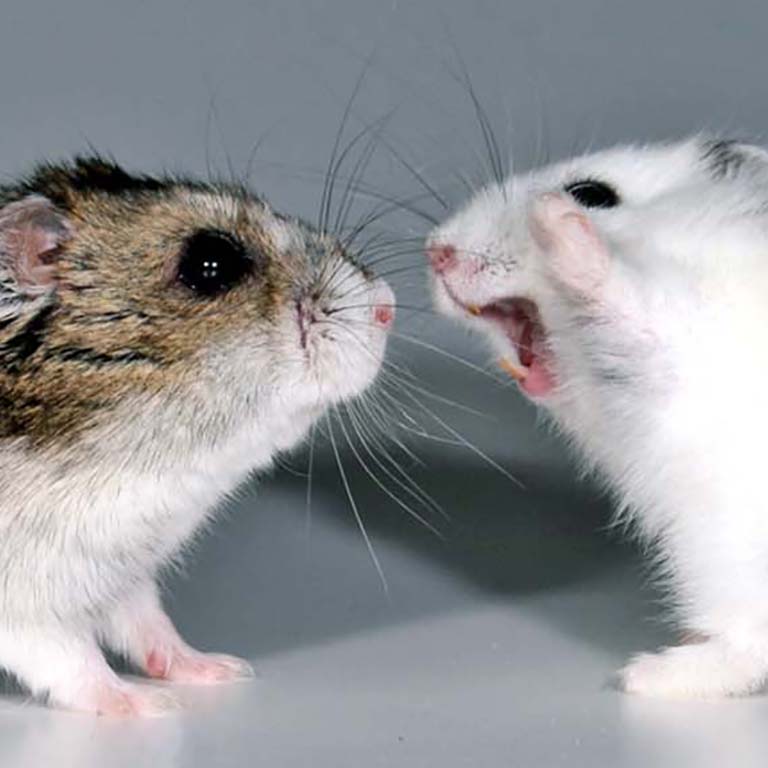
x,y
442,257
310,310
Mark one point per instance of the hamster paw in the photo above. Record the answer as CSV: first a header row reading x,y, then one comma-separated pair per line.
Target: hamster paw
x,y
710,669
142,631
195,668
123,700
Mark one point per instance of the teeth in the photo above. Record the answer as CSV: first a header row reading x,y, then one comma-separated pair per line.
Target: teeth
x,y
473,309
517,372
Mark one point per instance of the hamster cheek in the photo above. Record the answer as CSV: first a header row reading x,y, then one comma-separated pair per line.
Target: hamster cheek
x,y
575,255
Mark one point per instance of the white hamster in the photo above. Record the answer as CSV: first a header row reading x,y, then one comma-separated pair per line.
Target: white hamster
x,y
627,292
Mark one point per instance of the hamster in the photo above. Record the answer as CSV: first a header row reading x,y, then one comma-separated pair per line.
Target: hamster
x,y
627,292
160,338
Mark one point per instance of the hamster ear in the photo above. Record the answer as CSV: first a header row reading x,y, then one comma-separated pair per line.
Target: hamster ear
x,y
575,254
32,231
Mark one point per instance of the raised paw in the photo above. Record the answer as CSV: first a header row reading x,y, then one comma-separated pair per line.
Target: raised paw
x,y
710,669
195,668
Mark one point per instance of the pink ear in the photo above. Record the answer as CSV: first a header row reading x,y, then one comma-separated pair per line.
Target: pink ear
x,y
31,234
575,253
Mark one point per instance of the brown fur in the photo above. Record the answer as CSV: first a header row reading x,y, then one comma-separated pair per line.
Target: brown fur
x,y
119,323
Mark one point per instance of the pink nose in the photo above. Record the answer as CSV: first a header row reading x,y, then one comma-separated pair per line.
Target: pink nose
x,y
442,257
384,314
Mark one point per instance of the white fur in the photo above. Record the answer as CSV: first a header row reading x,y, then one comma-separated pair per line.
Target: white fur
x,y
663,375
85,529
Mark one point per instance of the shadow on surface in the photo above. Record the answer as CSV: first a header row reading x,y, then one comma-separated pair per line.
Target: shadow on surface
x,y
263,584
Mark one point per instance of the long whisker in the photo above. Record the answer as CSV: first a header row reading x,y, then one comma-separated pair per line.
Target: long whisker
x,y
416,516
348,197
366,190
369,128
444,400
324,206
466,443
489,137
417,175
355,510
404,481
413,427
398,306
310,468
382,420
379,212
444,353
421,432
450,430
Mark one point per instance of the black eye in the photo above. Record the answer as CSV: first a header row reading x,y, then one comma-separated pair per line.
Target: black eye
x,y
213,262
593,194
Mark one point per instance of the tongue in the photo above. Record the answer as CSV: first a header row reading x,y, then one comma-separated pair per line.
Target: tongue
x,y
539,381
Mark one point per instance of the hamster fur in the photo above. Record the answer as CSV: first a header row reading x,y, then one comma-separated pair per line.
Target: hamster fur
x,y
627,291
160,338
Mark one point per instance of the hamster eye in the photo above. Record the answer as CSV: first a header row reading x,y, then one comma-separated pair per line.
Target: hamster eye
x,y
593,194
212,262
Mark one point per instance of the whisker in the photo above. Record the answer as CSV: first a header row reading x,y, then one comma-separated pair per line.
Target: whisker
x,y
397,306
348,197
368,128
416,516
379,212
324,206
444,353
355,510
489,137
466,443
421,432
420,179
382,420
407,483
444,400
310,467
413,427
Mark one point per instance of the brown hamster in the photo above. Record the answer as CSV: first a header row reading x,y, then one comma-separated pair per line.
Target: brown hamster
x,y
159,339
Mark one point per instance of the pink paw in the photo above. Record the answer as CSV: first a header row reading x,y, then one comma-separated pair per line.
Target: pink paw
x,y
195,668
126,700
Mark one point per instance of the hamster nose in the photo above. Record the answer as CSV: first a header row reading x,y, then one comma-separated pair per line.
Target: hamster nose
x,y
383,315
442,257
383,305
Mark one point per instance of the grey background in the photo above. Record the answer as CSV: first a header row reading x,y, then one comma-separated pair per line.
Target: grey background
x,y
493,646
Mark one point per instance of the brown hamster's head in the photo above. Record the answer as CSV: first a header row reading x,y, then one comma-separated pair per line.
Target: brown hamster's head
x,y
117,288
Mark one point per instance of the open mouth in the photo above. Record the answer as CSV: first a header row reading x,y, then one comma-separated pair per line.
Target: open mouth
x,y
531,361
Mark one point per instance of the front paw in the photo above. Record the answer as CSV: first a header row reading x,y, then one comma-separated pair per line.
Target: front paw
x,y
712,669
188,666
124,700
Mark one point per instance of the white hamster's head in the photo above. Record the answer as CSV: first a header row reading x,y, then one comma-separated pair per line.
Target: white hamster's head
x,y
120,289
643,208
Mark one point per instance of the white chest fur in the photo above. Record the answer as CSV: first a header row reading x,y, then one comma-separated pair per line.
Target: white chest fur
x,y
76,535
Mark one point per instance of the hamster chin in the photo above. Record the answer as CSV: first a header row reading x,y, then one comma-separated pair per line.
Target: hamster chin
x,y
160,338
626,291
